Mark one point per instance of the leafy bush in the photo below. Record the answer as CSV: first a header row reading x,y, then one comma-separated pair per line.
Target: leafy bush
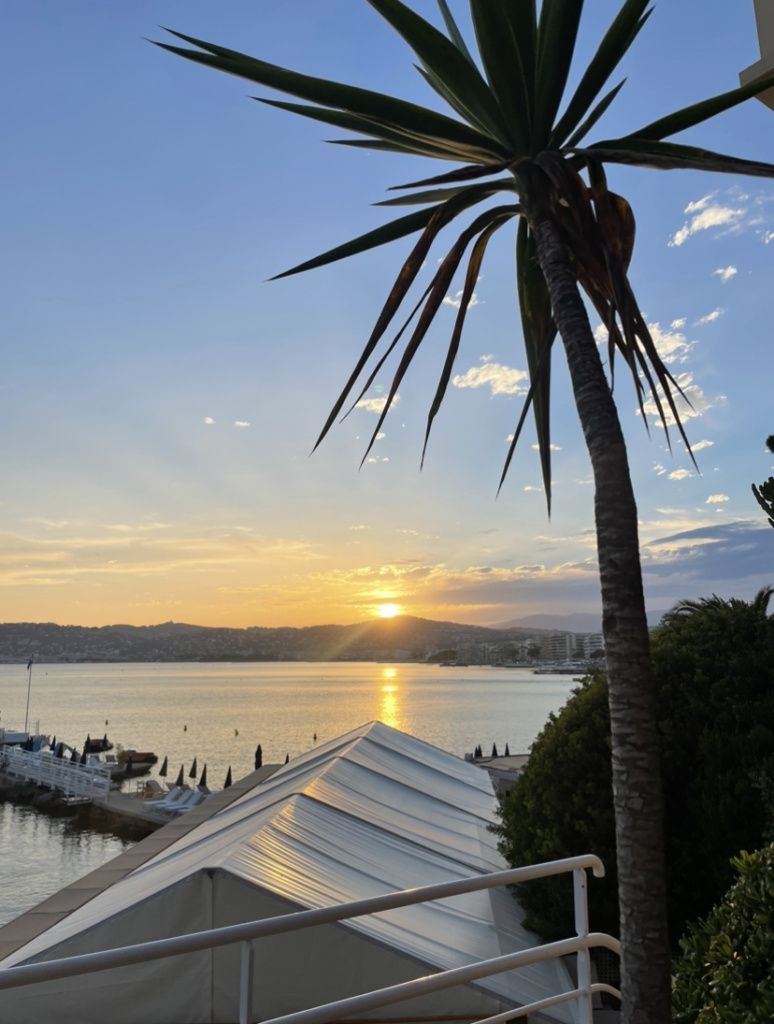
x,y
725,974
562,806
714,669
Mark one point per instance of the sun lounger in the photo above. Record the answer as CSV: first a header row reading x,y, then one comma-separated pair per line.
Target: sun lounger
x,y
173,797
183,803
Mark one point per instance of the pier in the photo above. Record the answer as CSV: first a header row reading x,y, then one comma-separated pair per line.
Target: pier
x,y
79,783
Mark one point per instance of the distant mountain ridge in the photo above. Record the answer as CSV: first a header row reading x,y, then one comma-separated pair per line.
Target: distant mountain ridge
x,y
576,622
404,636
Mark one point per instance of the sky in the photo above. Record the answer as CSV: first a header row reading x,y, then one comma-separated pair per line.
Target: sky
x,y
160,397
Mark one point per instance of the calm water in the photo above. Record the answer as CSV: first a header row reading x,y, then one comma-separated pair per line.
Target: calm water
x,y
218,713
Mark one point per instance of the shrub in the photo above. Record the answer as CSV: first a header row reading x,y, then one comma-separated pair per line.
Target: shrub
x,y
714,669
725,974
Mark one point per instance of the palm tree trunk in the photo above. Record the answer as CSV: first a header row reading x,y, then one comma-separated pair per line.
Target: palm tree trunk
x,y
636,774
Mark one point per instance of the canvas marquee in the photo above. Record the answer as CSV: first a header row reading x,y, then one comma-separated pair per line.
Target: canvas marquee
x,y
368,813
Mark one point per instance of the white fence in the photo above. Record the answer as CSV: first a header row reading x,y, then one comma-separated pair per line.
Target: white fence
x,y
83,781
246,934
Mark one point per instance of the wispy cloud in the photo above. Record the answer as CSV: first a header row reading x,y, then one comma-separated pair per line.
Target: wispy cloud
x,y
710,318
701,445
209,420
706,215
715,499
729,211
536,447
679,474
457,300
692,405
241,423
376,404
503,380
671,345
725,273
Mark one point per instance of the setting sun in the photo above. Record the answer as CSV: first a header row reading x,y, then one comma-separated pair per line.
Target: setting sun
x,y
388,611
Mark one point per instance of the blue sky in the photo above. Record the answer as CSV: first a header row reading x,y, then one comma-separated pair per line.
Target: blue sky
x,y
160,398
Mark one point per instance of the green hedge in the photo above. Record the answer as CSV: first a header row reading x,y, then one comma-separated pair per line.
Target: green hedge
x,y
725,974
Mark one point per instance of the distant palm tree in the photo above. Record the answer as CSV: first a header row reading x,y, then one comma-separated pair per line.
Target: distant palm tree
x,y
764,494
511,140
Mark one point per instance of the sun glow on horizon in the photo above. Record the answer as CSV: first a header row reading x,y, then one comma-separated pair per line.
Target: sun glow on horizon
x,y
388,611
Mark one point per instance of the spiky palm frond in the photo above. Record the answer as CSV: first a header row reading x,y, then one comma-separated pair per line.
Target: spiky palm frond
x,y
506,100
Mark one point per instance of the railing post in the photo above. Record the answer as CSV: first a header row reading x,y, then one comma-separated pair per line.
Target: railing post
x,y
246,984
582,930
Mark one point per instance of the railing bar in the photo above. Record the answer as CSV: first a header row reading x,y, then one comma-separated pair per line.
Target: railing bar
x,y
246,984
601,986
431,983
27,974
520,1011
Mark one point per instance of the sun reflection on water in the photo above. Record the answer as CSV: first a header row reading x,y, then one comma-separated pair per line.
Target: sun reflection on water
x,y
389,708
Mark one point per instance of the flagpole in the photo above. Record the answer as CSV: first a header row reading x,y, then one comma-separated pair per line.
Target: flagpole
x,y
29,686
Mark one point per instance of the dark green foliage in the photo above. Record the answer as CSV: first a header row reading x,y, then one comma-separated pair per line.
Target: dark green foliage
x,y
725,974
764,494
562,806
713,664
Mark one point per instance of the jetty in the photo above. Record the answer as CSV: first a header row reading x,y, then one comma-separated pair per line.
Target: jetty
x,y
79,783
77,786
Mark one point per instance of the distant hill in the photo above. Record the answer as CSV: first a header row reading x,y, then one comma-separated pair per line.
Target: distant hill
x,y
403,637
576,622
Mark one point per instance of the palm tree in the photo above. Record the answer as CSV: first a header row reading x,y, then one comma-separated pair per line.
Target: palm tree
x,y
687,607
764,494
522,158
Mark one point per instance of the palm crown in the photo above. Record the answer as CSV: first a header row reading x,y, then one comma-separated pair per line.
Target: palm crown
x,y
510,137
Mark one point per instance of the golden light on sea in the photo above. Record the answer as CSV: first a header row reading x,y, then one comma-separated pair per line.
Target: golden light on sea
x,y
390,705
388,611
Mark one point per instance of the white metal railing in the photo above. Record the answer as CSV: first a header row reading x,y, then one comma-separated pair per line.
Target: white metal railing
x,y
246,934
74,780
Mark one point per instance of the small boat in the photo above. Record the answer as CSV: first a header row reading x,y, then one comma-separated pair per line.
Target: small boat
x,y
126,763
136,762
97,746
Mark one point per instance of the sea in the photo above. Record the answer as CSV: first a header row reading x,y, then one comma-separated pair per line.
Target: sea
x,y
218,713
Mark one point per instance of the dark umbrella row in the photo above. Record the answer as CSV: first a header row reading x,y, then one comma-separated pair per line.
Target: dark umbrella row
x,y
180,780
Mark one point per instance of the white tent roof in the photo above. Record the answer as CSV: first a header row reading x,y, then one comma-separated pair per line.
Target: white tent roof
x,y
370,812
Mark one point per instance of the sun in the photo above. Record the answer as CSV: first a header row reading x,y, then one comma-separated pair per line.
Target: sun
x,y
388,611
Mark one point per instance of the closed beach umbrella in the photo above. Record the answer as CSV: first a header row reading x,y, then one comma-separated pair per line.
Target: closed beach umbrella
x,y
258,756
227,783
287,758
192,773
180,780
507,751
59,752
163,769
87,744
203,779
85,756
494,750
105,742
128,767
53,743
